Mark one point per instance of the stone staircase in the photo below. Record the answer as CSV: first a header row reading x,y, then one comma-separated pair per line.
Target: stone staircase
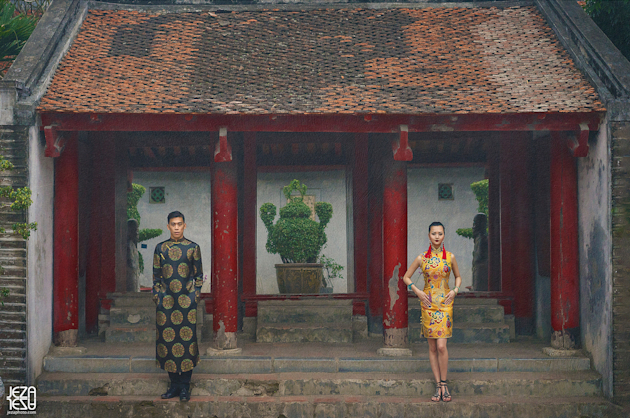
x,y
474,321
132,318
511,382
310,320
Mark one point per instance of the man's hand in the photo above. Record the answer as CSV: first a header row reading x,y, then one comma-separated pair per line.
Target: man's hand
x,y
155,298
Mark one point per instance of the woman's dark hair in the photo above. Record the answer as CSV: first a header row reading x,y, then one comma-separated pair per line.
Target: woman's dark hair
x,y
175,214
437,224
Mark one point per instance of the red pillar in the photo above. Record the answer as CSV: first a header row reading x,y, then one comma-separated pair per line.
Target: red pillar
x,y
66,246
506,216
494,215
521,236
249,222
375,230
565,302
360,218
225,251
395,319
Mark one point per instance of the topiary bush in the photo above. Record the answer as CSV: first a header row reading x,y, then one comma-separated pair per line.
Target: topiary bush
x,y
480,188
296,237
133,197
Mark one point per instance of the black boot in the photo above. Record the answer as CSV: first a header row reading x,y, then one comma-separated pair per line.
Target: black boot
x,y
184,394
173,391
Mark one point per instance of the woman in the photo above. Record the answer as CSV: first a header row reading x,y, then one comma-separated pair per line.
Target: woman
x,y
437,303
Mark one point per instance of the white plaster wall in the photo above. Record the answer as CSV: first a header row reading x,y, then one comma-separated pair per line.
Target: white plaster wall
x,y
326,186
595,241
424,208
187,192
39,283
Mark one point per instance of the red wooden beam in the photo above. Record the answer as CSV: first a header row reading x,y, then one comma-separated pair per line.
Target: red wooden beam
x,y
223,150
55,141
323,123
402,151
579,143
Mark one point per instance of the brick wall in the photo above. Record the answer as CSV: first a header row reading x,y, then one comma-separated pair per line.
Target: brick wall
x,y
620,135
14,147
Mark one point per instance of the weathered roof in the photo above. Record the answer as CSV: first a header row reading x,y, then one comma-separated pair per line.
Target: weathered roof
x,y
440,60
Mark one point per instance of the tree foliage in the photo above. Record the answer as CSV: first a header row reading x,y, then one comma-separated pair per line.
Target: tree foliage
x,y
133,197
296,237
613,18
480,188
15,29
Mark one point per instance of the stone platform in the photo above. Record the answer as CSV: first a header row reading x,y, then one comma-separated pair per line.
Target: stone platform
x,y
324,380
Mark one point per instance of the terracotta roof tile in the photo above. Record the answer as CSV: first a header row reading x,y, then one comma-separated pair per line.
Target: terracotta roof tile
x,y
412,61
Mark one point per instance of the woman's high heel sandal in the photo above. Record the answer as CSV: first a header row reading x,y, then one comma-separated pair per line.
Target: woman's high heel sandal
x,y
446,395
437,396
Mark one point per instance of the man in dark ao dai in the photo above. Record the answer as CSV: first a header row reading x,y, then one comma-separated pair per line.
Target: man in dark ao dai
x,y
177,280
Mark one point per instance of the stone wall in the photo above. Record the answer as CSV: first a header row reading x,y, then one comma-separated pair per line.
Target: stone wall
x,y
620,138
13,368
595,249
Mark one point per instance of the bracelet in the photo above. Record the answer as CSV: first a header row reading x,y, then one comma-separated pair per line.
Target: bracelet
x,y
409,286
456,291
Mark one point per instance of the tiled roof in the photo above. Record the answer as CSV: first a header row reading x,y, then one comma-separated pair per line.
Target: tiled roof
x,y
439,60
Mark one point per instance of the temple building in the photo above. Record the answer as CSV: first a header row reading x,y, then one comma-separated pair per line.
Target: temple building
x,y
389,112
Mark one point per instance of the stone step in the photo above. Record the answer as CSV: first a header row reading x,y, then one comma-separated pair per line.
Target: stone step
x,y
542,384
464,313
132,299
131,334
334,406
132,315
12,343
305,312
264,365
299,333
468,332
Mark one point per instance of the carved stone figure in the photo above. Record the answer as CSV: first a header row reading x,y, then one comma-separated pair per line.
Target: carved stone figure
x,y
480,253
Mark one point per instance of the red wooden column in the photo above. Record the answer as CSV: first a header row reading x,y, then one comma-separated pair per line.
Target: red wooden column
x,y
249,222
225,245
565,302
66,246
375,230
395,304
360,218
494,215
517,244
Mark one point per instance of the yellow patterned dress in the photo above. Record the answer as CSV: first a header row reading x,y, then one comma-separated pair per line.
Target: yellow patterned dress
x,y
437,321
177,280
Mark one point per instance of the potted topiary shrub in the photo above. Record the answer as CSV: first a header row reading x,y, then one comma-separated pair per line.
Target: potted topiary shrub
x,y
298,239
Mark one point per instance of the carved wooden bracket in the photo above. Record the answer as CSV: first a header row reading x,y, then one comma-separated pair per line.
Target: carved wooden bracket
x,y
579,143
55,141
223,150
402,151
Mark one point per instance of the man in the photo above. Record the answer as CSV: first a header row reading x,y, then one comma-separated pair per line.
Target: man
x,y
177,280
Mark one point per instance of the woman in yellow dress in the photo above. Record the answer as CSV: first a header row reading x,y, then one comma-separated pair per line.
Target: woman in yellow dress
x,y
437,303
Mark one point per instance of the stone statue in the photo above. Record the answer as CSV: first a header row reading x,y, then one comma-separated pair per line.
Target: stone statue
x,y
480,253
133,258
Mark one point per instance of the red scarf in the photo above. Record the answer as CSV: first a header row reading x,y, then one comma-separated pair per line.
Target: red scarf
x,y
428,254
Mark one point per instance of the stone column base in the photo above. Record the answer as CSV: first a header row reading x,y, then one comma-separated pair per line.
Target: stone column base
x,y
68,338
394,352
211,351
567,339
224,340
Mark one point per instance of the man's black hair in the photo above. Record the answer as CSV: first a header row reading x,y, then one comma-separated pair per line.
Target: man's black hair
x,y
437,224
175,214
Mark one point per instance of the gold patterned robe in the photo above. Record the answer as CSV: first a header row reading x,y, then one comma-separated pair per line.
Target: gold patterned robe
x,y
437,320
177,280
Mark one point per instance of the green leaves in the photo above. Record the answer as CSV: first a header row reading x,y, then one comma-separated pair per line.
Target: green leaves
x,y
147,234
481,190
14,30
613,18
133,197
296,237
